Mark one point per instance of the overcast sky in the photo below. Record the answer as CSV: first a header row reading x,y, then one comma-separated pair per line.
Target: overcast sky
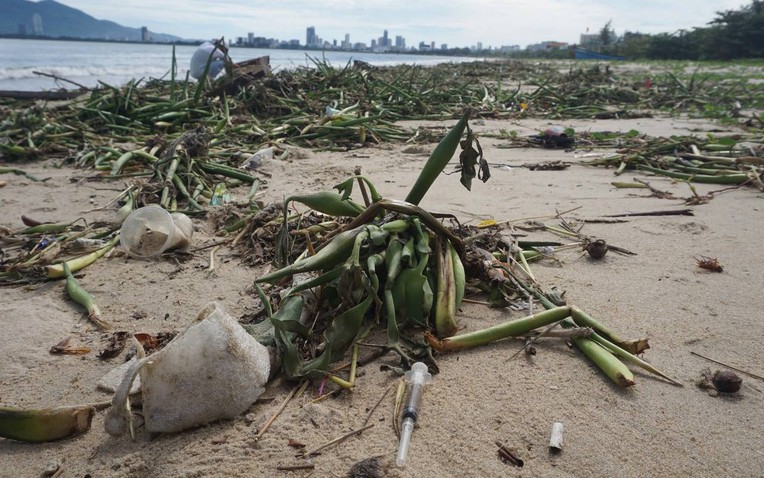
x,y
457,23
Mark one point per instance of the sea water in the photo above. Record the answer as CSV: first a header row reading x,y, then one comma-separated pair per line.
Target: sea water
x,y
87,63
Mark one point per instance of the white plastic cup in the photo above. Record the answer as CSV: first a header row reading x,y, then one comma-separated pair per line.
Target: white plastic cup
x,y
151,230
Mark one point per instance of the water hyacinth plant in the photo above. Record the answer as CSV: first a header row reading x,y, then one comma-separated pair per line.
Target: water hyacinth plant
x,y
396,265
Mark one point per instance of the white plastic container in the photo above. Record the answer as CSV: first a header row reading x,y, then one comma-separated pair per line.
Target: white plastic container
x,y
212,370
150,231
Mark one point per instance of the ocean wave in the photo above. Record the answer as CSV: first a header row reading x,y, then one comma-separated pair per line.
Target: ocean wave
x,y
96,72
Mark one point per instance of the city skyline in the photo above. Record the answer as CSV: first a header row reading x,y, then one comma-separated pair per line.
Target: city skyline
x,y
492,22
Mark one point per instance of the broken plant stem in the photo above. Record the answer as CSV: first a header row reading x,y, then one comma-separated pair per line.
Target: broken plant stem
x,y
500,331
337,440
561,334
728,366
82,297
56,271
281,408
534,339
399,393
618,351
350,382
376,405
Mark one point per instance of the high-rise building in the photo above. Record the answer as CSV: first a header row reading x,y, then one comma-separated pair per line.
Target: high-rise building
x,y
250,38
145,34
400,42
37,24
310,37
386,42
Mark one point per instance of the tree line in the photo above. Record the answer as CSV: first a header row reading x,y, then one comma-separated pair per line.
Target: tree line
x,y
731,35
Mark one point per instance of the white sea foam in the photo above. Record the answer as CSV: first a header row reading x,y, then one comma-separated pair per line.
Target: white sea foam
x,y
87,63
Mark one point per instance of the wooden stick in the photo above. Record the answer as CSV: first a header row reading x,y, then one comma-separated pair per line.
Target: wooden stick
x,y
374,408
308,466
677,212
211,267
479,302
337,440
56,77
400,392
508,455
281,408
728,366
531,341
562,334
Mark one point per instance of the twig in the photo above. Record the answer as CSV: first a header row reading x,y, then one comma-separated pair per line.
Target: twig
x,y
561,334
214,244
656,192
401,390
337,440
21,172
56,77
308,466
534,339
239,236
728,366
374,408
551,216
281,408
479,302
362,186
102,208
211,267
383,349
508,455
326,395
678,212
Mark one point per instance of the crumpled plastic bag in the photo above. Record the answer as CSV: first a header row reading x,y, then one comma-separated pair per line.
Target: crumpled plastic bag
x,y
212,370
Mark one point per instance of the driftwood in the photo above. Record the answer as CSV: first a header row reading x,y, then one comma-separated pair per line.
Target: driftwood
x,y
41,95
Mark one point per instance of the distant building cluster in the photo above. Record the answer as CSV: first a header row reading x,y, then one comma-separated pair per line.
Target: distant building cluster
x,y
547,45
384,43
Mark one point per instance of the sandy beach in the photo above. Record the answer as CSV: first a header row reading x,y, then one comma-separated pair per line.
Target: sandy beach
x,y
481,395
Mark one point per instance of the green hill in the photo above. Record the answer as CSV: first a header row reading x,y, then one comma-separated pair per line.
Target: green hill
x,y
51,19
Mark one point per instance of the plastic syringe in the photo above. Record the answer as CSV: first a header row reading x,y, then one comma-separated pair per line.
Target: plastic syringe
x,y
417,377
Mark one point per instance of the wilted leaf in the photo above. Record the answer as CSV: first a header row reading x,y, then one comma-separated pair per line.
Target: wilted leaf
x,y
65,347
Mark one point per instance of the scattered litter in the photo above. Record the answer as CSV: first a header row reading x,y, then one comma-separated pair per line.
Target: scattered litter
x,y
214,369
257,159
113,378
417,378
555,441
149,231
